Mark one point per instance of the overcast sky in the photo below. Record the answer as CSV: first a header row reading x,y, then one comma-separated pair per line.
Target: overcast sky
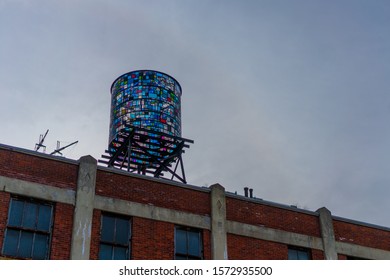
x,y
290,98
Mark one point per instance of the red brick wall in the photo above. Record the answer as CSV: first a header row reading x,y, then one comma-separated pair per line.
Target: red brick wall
x,y
247,248
206,244
273,217
361,235
4,203
152,240
95,234
342,257
62,232
317,254
150,192
37,169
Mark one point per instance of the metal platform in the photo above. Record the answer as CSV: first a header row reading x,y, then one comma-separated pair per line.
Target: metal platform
x,y
147,152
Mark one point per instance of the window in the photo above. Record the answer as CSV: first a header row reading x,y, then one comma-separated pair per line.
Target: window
x,y
29,229
297,253
355,258
188,244
114,238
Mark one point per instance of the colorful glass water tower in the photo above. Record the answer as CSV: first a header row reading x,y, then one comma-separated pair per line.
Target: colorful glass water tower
x,y
145,125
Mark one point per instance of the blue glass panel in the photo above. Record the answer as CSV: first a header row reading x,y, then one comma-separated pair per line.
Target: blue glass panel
x,y
194,246
297,254
25,245
120,253
122,231
30,215
40,246
105,252
303,255
11,242
16,213
107,231
292,254
181,241
44,217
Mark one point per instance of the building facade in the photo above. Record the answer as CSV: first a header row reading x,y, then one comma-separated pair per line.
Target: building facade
x,y
56,208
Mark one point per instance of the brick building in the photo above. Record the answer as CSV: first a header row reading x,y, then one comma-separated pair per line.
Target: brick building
x,y
56,208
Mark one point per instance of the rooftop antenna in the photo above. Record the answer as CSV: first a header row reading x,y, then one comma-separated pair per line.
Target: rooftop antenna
x,y
58,150
40,144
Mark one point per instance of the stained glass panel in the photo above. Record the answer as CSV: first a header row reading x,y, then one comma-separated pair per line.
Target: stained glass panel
x,y
146,99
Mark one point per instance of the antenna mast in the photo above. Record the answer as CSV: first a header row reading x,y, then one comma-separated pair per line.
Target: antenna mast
x,y
58,150
40,144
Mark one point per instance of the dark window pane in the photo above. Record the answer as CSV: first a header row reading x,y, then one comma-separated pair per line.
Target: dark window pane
x,y
40,246
105,252
193,243
16,213
122,231
11,242
108,225
181,241
25,245
30,215
298,254
44,217
120,253
178,257
292,254
25,242
303,255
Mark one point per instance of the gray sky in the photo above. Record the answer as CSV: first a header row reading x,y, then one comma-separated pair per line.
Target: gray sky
x,y
290,98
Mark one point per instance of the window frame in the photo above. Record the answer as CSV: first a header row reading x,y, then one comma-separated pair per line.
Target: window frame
x,y
32,230
297,250
187,255
114,243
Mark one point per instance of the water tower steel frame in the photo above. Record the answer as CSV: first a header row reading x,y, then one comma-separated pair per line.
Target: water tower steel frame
x,y
145,125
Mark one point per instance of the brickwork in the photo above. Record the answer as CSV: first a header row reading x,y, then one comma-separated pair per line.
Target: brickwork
x,y
206,245
38,169
273,217
152,193
95,234
361,235
4,202
342,257
247,248
62,232
317,254
152,240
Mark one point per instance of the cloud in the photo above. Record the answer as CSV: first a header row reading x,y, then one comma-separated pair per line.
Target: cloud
x,y
290,99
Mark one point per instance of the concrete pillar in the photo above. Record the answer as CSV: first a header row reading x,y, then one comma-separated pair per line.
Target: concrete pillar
x,y
218,223
327,233
82,219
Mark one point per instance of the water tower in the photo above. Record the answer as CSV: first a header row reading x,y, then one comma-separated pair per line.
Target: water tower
x,y
145,125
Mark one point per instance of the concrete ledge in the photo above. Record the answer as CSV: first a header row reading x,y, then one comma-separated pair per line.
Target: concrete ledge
x,y
8,259
40,191
361,251
151,212
274,235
